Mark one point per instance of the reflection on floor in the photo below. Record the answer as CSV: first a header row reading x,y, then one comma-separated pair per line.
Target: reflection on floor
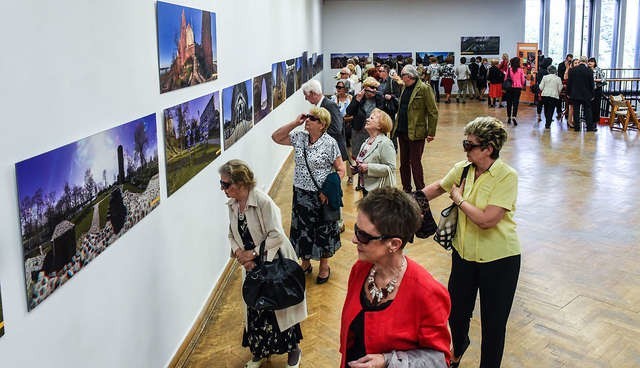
x,y
578,298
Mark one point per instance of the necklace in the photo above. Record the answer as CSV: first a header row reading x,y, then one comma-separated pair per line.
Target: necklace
x,y
241,216
377,295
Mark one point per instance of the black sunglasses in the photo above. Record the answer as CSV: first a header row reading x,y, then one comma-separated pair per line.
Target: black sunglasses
x,y
365,238
468,145
339,87
225,185
311,117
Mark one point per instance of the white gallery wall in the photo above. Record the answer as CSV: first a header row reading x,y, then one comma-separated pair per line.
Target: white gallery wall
x,y
416,26
72,68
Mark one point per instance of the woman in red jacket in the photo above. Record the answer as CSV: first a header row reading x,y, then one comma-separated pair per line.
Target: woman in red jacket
x,y
394,311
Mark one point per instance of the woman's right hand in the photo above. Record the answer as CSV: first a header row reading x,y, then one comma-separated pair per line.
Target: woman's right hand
x,y
323,198
301,118
249,265
360,95
245,256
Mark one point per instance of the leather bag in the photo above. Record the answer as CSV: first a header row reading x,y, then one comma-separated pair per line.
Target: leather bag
x,y
448,223
508,82
428,225
329,214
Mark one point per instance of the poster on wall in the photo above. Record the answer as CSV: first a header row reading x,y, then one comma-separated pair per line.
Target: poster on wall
x,y
291,77
278,74
262,89
299,73
423,57
237,112
321,61
191,138
77,200
339,60
306,71
528,54
484,45
1,318
316,64
394,59
187,49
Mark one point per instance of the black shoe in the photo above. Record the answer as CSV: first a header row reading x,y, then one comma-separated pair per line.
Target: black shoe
x,y
322,280
308,270
457,100
447,102
592,130
515,123
547,126
463,101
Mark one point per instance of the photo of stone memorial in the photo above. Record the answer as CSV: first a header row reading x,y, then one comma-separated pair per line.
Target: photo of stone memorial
x,y
77,200
192,138
291,77
262,89
278,74
187,50
237,112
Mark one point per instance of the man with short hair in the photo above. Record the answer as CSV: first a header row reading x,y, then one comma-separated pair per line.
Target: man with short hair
x,y
562,67
417,120
580,86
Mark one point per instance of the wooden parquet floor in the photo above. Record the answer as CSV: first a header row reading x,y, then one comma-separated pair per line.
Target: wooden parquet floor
x,y
578,297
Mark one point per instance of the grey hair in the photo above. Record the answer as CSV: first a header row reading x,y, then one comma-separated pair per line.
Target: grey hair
x,y
345,70
312,86
411,71
552,69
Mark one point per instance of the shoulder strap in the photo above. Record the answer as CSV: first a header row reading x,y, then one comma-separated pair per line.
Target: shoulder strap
x,y
464,174
304,152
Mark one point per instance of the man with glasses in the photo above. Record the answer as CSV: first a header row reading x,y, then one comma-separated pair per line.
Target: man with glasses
x,y
417,120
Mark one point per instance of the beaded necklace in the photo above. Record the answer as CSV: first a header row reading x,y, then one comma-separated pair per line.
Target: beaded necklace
x,y
377,295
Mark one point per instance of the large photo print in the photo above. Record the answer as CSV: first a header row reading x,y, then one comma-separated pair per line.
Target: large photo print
x,y
480,45
187,50
76,200
441,56
262,88
339,60
237,110
278,76
192,138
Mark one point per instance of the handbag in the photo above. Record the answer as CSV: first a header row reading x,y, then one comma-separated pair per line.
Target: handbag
x,y
274,285
329,214
508,83
448,223
428,225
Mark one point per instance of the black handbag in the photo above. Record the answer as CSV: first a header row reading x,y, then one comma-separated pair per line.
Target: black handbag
x,y
448,223
508,83
329,214
274,285
428,225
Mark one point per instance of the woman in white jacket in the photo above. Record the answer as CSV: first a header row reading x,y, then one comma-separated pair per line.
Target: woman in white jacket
x,y
550,88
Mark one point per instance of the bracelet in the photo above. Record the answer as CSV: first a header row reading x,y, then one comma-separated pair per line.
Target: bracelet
x,y
255,255
460,203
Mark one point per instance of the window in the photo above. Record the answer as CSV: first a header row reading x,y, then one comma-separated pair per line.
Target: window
x,y
582,27
631,35
532,21
609,8
557,22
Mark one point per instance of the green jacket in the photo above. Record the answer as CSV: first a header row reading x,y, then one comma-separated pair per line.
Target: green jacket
x,y
423,112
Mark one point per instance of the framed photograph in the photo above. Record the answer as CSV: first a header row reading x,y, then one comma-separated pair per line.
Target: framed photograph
x,y
1,318
262,89
316,63
321,61
278,75
237,112
299,73
77,200
485,45
291,77
187,49
191,138
339,60
306,67
393,59
423,57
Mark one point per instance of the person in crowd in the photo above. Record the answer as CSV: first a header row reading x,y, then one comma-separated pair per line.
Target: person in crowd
x,y
483,71
254,218
447,74
388,86
542,71
599,80
344,76
316,155
486,249
342,99
564,65
417,121
512,95
495,78
550,89
504,68
433,70
473,79
376,160
462,75
580,87
353,77
358,67
395,313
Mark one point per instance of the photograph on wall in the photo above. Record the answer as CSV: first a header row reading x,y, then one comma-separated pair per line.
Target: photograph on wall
x,y
395,60
237,112
339,60
423,57
315,65
306,72
299,73
291,77
187,50
262,89
191,138
486,45
321,61
1,318
278,74
78,199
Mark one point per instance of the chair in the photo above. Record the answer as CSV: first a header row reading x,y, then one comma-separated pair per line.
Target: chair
x,y
622,114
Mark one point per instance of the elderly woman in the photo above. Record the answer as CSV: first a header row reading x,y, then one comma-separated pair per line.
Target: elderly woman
x,y
376,161
316,157
486,254
254,218
447,75
495,77
343,99
394,309
550,89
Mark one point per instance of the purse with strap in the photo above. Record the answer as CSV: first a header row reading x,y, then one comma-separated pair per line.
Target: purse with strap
x,y
329,214
508,82
448,223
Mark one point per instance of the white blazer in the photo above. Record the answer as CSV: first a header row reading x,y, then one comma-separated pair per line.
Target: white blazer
x,y
381,160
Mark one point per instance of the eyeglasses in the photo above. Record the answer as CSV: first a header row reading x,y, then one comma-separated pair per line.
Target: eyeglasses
x,y
370,90
225,185
311,117
365,238
468,145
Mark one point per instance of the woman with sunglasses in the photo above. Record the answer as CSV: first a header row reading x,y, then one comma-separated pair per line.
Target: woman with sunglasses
x,y
316,156
394,311
254,218
343,99
486,249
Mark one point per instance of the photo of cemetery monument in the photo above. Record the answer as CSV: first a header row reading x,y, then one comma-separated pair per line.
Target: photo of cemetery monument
x,y
192,138
237,112
262,89
278,74
187,49
77,200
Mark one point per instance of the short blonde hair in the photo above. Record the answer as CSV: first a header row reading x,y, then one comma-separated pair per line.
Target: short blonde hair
x,y
490,132
324,116
384,120
239,173
370,82
494,62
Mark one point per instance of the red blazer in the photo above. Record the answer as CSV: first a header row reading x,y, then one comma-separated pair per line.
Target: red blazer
x,y
417,317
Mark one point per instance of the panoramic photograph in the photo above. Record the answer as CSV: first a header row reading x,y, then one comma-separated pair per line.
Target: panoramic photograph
x,y
423,57
187,50
262,89
485,45
77,200
390,58
192,138
339,61
237,112
278,74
